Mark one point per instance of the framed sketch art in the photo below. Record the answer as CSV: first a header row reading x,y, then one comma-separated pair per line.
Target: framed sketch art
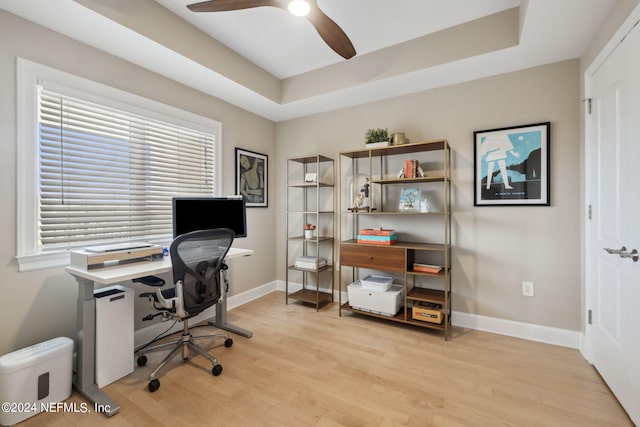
x,y
511,166
251,177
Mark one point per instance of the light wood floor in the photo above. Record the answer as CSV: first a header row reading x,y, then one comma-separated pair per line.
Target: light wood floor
x,y
304,367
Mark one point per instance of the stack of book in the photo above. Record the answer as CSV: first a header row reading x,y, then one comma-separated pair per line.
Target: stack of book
x,y
310,262
377,236
411,168
426,268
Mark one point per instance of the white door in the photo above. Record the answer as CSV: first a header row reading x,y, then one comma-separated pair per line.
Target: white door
x,y
614,194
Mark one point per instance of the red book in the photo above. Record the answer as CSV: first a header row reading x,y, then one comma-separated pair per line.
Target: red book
x,y
408,166
376,232
426,268
377,242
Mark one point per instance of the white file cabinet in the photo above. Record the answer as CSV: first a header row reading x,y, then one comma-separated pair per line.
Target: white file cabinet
x,y
114,334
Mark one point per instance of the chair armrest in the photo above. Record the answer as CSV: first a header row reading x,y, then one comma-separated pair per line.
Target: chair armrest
x,y
175,303
150,281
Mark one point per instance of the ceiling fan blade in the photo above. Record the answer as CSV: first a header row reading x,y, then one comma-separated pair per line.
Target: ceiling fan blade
x,y
331,33
226,5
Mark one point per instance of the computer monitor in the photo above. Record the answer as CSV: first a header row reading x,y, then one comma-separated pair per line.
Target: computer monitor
x,y
204,213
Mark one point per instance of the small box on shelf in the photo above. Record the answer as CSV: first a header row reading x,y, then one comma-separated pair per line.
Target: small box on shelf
x,y
427,312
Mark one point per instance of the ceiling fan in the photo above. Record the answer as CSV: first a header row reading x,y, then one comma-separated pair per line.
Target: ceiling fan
x,y
330,32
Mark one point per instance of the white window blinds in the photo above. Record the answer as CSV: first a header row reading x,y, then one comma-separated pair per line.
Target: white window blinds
x,y
107,174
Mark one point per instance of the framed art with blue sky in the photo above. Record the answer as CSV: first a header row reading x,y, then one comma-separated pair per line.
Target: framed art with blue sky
x,y
511,166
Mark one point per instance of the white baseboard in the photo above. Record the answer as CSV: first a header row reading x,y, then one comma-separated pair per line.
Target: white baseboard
x,y
528,331
255,293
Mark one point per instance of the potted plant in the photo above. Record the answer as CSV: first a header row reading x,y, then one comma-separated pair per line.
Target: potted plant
x,y
308,231
380,137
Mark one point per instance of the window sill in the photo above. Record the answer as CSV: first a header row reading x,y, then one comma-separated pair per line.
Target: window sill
x,y
42,261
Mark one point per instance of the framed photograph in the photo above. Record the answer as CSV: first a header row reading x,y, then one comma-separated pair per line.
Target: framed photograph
x,y
511,166
251,178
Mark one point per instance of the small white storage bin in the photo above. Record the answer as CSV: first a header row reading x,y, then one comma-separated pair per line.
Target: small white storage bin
x,y
377,282
386,303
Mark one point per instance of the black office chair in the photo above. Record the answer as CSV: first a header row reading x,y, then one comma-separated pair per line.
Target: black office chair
x,y
197,260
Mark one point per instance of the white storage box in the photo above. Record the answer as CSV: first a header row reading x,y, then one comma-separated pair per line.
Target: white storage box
x,y
377,282
386,303
33,377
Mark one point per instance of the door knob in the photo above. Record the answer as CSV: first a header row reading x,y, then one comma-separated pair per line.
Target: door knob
x,y
633,255
623,253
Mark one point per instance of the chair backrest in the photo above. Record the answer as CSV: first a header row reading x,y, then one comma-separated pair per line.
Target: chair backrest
x,y
197,258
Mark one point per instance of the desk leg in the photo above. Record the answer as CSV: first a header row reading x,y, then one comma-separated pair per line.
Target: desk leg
x,y
86,358
221,321
221,316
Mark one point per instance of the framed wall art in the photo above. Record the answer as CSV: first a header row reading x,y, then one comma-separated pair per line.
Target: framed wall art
x,y
511,166
251,177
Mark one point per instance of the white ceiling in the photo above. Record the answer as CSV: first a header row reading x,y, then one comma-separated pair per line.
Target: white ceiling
x,y
285,45
298,73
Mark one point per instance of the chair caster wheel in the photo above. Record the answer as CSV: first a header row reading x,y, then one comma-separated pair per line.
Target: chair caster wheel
x,y
153,385
142,360
228,342
217,370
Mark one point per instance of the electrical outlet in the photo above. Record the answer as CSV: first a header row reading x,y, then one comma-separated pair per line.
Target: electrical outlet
x,y
527,289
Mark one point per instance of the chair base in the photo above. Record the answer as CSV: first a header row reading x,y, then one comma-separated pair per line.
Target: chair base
x,y
187,345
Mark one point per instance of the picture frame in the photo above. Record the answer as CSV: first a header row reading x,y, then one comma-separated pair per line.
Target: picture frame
x,y
409,200
252,178
519,154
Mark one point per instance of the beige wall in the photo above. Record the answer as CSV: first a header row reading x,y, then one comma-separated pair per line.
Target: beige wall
x,y
495,248
40,305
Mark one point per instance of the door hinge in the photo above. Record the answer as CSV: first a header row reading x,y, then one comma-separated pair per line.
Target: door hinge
x,y
589,316
588,105
589,211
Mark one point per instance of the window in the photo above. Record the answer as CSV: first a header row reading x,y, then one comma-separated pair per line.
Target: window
x,y
105,170
105,174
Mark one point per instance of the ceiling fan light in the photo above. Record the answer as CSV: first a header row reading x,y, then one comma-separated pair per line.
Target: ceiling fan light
x,y
299,7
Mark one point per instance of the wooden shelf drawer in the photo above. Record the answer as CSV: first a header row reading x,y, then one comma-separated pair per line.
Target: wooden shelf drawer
x,y
375,257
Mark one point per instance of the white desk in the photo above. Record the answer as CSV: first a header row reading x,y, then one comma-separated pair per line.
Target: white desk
x,y
85,359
